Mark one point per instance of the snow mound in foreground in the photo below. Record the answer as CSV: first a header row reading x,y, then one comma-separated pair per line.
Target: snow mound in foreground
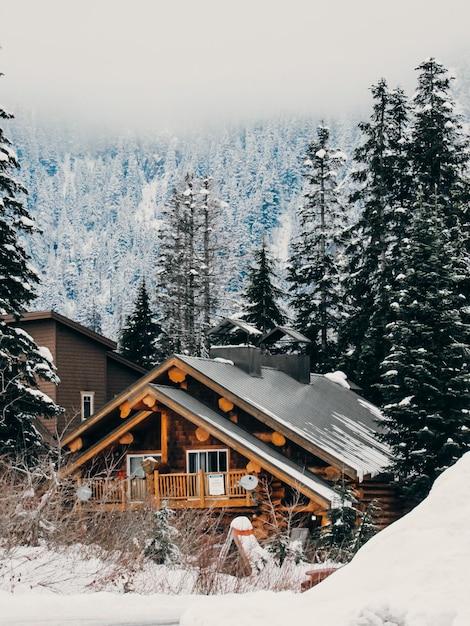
x,y
413,573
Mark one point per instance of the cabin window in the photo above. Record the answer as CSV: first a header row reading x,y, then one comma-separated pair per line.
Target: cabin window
x,y
214,460
88,401
134,464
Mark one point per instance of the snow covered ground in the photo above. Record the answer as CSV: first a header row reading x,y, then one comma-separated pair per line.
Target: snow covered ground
x,y
414,573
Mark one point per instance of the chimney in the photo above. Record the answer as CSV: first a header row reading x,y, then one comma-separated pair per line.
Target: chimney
x,y
282,349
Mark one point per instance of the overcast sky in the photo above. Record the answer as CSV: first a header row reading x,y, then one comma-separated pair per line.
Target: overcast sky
x,y
146,62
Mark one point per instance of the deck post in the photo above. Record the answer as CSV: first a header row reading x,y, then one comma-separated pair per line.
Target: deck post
x,y
156,482
122,488
202,495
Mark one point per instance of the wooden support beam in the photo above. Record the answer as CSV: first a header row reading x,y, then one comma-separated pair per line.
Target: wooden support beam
x,y
176,375
225,405
149,401
164,436
202,495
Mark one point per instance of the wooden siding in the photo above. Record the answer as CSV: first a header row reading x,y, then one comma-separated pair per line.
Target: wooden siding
x,y
119,377
44,335
82,367
84,363
390,505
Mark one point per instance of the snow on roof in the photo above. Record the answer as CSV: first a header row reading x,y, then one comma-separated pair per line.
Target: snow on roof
x,y
231,325
338,377
323,413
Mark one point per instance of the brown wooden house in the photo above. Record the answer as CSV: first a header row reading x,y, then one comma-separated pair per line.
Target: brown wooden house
x,y
91,372
230,432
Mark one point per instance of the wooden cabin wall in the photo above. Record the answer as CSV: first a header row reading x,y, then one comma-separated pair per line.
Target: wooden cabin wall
x,y
182,436
391,505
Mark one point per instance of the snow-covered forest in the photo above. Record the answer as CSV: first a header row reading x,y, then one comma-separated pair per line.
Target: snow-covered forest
x,y
99,199
99,202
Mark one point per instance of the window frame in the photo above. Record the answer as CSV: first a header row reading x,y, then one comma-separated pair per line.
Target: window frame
x,y
140,455
83,396
207,451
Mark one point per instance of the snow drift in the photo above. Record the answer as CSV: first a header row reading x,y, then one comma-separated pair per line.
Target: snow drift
x,y
413,573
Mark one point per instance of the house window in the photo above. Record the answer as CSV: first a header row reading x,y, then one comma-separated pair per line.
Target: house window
x,y
88,401
215,460
134,464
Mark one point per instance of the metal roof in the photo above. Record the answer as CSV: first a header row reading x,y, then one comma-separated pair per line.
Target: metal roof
x,y
299,474
323,413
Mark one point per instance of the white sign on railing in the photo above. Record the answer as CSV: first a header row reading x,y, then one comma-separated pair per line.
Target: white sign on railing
x,y
216,485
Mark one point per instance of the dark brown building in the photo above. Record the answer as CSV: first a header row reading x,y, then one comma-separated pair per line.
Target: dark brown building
x,y
91,372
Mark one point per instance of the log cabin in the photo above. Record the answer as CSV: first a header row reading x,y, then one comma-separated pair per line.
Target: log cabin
x,y
238,431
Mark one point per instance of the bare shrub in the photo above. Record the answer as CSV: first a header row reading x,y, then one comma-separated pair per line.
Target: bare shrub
x,y
38,508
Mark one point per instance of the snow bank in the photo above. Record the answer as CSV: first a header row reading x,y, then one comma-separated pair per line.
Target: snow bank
x,y
413,573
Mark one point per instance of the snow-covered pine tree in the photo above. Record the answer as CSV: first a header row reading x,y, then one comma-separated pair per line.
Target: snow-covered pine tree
x,y
139,335
440,148
337,537
382,173
439,144
187,278
22,362
162,547
426,375
262,294
313,271
171,275
210,255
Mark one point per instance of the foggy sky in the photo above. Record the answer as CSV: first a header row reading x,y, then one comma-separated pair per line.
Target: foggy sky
x,y
140,63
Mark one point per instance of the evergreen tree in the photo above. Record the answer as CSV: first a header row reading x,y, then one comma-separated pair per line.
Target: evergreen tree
x,y
439,145
261,294
426,375
172,273
92,318
187,270
314,266
22,362
373,243
162,548
138,337
337,537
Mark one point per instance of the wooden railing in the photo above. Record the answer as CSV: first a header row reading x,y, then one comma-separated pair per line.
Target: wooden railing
x,y
181,490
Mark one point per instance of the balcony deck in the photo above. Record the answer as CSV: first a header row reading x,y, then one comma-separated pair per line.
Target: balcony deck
x,y
178,490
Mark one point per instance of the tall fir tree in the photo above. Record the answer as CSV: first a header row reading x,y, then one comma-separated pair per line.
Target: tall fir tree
x,y
373,244
314,273
22,362
439,144
262,294
171,275
440,149
186,279
139,335
426,375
